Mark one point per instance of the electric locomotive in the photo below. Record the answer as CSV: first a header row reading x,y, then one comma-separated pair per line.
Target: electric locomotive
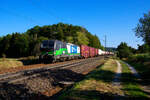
x,y
53,50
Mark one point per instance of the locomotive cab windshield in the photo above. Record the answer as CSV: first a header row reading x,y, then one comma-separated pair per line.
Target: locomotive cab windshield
x,y
47,44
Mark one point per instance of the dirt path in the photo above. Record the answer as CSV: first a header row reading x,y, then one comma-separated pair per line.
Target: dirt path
x,y
135,73
116,80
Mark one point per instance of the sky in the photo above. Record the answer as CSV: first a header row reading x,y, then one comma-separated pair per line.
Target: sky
x,y
114,18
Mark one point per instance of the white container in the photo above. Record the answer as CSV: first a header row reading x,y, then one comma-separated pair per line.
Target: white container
x,y
73,49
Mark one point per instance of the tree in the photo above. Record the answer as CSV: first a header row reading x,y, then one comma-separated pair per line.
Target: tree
x,y
82,39
5,44
145,48
34,44
19,44
66,32
143,28
96,43
28,43
123,50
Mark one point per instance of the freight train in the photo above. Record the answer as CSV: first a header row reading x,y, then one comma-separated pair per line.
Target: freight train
x,y
54,50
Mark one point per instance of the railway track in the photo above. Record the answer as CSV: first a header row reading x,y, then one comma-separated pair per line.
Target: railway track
x,y
31,73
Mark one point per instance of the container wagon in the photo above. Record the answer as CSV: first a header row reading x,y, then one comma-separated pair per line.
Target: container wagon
x,y
85,53
92,52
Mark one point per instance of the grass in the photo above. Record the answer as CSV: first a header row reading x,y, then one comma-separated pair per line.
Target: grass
x,y
9,63
96,86
6,63
130,85
141,62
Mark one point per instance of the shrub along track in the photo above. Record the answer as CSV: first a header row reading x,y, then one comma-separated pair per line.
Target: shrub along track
x,y
44,82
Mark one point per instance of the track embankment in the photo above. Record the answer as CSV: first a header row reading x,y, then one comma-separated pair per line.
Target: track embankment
x,y
33,66
42,83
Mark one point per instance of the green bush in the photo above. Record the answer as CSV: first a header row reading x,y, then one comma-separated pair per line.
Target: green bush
x,y
139,58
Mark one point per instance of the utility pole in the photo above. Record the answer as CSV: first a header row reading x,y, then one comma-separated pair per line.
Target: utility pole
x,y
105,42
105,46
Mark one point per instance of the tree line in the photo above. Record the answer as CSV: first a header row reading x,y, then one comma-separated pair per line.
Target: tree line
x,y
28,43
142,30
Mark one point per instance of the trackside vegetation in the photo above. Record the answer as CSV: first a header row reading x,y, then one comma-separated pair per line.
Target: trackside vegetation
x,y
96,86
142,30
25,44
131,86
139,58
9,63
141,62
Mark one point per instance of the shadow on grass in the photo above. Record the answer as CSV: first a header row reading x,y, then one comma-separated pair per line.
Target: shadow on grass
x,y
136,90
96,95
143,70
103,75
131,86
88,95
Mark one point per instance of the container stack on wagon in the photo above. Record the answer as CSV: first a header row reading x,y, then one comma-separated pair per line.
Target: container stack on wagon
x,y
85,53
73,50
92,52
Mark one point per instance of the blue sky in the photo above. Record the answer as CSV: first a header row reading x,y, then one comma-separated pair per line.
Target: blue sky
x,y
114,18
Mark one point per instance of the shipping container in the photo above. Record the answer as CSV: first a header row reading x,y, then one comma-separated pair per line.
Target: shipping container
x,y
96,52
73,50
92,52
84,50
100,52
